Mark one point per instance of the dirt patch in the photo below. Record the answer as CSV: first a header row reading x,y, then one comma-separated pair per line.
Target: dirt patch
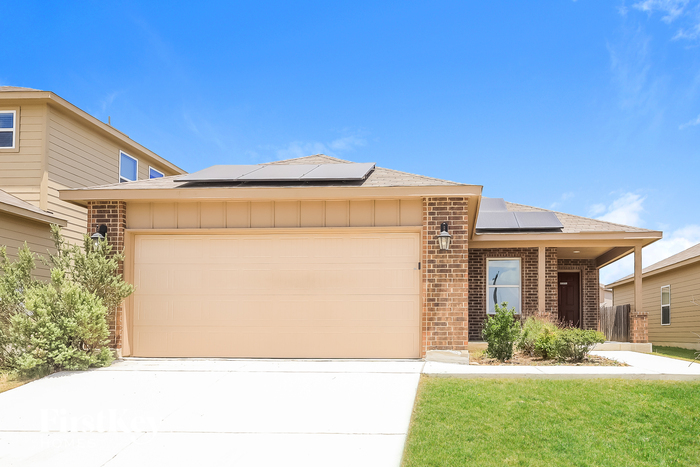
x,y
479,357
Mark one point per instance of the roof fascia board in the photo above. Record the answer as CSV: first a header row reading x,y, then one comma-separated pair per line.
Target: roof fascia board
x,y
35,216
499,240
81,195
51,98
670,267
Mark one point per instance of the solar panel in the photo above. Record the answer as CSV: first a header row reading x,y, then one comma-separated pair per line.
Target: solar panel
x,y
538,220
280,172
490,220
275,173
340,172
492,204
219,173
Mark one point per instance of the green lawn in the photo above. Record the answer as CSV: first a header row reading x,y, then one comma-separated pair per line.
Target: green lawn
x,y
674,352
534,422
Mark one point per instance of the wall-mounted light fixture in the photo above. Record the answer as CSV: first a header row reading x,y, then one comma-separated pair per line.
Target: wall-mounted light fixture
x,y
444,237
100,235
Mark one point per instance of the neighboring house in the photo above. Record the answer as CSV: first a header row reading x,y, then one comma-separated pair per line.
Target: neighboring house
x,y
48,144
606,296
671,296
320,258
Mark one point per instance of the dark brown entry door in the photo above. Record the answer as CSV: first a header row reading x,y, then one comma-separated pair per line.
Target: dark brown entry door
x,y
570,298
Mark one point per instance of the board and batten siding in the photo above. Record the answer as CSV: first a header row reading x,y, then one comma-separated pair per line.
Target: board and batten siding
x,y
81,157
22,168
274,214
15,230
685,315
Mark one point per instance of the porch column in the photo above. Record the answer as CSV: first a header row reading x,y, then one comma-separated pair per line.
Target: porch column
x,y
638,322
541,280
637,279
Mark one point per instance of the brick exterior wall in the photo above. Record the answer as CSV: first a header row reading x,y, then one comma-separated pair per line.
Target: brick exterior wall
x,y
477,284
445,275
551,286
590,292
113,215
639,331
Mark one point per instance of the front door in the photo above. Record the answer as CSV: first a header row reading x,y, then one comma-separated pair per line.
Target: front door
x,y
570,299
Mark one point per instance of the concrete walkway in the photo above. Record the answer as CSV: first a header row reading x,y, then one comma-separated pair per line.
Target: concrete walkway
x,y
642,366
212,412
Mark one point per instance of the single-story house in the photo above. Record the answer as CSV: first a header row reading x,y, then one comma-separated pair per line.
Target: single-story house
x,y
671,296
319,257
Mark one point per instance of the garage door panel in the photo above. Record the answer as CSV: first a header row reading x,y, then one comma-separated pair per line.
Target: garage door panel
x,y
278,295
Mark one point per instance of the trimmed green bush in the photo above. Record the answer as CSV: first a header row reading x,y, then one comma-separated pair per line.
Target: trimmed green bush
x,y
546,343
574,344
500,332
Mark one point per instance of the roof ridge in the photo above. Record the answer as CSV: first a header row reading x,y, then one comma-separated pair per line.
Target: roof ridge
x,y
305,157
581,217
418,175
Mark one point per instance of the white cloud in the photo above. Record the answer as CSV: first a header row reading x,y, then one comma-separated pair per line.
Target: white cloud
x,y
675,242
597,209
671,9
308,148
693,122
683,11
626,210
564,197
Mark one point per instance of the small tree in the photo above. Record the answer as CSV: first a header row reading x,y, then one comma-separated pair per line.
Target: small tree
x,y
500,332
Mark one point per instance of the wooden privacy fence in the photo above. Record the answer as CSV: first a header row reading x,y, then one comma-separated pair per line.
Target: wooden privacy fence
x,y
615,323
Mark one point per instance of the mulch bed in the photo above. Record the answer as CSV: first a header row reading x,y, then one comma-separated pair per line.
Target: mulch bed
x,y
520,359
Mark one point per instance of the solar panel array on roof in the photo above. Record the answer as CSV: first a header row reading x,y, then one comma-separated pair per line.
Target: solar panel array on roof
x,y
495,217
279,173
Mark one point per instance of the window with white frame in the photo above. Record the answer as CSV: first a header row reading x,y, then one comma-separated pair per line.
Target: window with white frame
x,y
503,283
666,305
8,123
128,168
153,173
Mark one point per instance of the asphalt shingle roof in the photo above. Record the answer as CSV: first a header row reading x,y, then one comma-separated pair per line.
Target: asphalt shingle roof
x,y
692,252
380,177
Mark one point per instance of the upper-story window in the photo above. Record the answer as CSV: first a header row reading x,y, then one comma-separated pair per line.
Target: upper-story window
x,y
128,168
153,173
503,283
8,131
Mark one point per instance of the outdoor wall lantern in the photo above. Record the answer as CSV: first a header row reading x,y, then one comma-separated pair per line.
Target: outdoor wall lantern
x,y
444,237
101,234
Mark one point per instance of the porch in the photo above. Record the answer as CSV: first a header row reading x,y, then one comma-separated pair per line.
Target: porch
x,y
559,281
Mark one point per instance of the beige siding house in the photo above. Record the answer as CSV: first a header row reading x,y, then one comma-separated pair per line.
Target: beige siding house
x,y
47,144
300,258
671,296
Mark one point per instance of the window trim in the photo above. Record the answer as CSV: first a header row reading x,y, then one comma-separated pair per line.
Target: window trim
x,y
519,286
122,153
155,170
667,304
13,130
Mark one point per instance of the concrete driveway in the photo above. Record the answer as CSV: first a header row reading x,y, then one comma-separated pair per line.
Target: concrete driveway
x,y
213,412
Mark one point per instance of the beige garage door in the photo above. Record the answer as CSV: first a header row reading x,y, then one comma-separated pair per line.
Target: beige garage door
x,y
303,295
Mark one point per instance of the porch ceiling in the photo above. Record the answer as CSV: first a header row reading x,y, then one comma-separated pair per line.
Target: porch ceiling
x,y
583,252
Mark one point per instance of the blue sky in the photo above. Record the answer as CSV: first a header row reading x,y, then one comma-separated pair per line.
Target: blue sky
x,y
587,107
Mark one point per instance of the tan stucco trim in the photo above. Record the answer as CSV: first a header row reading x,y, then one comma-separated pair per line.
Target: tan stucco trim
x,y
551,239
670,267
58,102
27,214
80,196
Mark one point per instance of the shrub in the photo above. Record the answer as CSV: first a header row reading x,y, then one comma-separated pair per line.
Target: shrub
x,y
533,328
575,344
64,327
546,343
500,332
61,324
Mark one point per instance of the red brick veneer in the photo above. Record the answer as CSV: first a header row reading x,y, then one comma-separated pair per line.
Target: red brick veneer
x,y
113,215
445,275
